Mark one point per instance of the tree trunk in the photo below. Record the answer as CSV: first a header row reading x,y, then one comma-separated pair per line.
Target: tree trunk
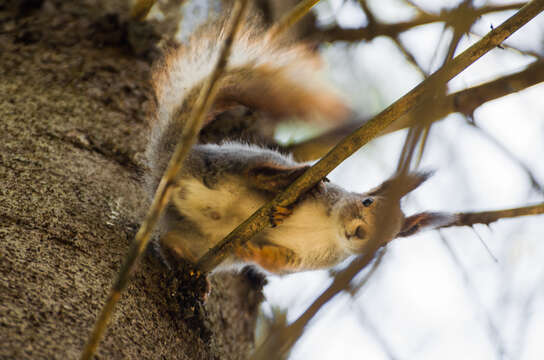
x,y
73,98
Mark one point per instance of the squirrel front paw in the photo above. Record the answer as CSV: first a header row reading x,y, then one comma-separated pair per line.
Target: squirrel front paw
x,y
278,214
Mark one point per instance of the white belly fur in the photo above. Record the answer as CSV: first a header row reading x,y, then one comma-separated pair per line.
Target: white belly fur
x,y
309,231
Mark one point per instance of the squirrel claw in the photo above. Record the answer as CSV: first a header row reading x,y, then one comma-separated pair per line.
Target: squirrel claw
x,y
279,214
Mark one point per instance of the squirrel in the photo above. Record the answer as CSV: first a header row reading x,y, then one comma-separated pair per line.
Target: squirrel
x,y
222,184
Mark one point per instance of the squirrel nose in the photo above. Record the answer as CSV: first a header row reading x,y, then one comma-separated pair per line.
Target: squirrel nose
x,y
360,232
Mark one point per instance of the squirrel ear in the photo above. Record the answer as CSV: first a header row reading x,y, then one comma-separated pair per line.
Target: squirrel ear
x,y
425,221
274,177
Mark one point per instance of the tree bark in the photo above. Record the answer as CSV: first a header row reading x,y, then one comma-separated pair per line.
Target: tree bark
x,y
74,88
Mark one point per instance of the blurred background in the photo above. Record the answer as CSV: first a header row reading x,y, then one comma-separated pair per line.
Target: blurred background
x,y
457,293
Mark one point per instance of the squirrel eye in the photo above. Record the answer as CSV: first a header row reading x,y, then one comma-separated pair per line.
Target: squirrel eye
x,y
360,232
367,202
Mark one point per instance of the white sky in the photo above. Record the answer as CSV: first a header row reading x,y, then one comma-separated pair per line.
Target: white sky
x,y
420,302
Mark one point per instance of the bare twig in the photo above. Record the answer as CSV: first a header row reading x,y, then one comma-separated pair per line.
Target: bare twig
x,y
535,183
356,288
259,220
464,101
526,318
468,100
492,329
460,24
409,56
163,193
374,330
291,17
487,217
369,15
393,30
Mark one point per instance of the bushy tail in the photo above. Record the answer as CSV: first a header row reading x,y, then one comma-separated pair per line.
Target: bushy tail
x,y
263,74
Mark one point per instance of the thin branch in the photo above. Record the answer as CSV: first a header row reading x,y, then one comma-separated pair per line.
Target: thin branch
x,y
164,190
369,15
460,24
409,56
356,288
464,101
492,329
393,30
259,220
468,100
414,6
487,217
531,53
374,330
291,17
526,318
535,184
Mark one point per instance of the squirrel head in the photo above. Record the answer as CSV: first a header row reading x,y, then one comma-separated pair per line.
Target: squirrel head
x,y
360,216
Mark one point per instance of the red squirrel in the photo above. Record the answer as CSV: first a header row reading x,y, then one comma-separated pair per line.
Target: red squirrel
x,y
220,185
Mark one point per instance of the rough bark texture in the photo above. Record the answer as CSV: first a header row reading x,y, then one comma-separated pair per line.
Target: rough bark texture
x,y
73,93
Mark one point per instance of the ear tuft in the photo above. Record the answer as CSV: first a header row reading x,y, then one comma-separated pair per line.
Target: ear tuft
x,y
411,181
425,221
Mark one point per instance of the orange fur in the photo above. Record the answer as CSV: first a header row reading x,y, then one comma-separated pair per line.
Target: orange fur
x,y
273,258
263,74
